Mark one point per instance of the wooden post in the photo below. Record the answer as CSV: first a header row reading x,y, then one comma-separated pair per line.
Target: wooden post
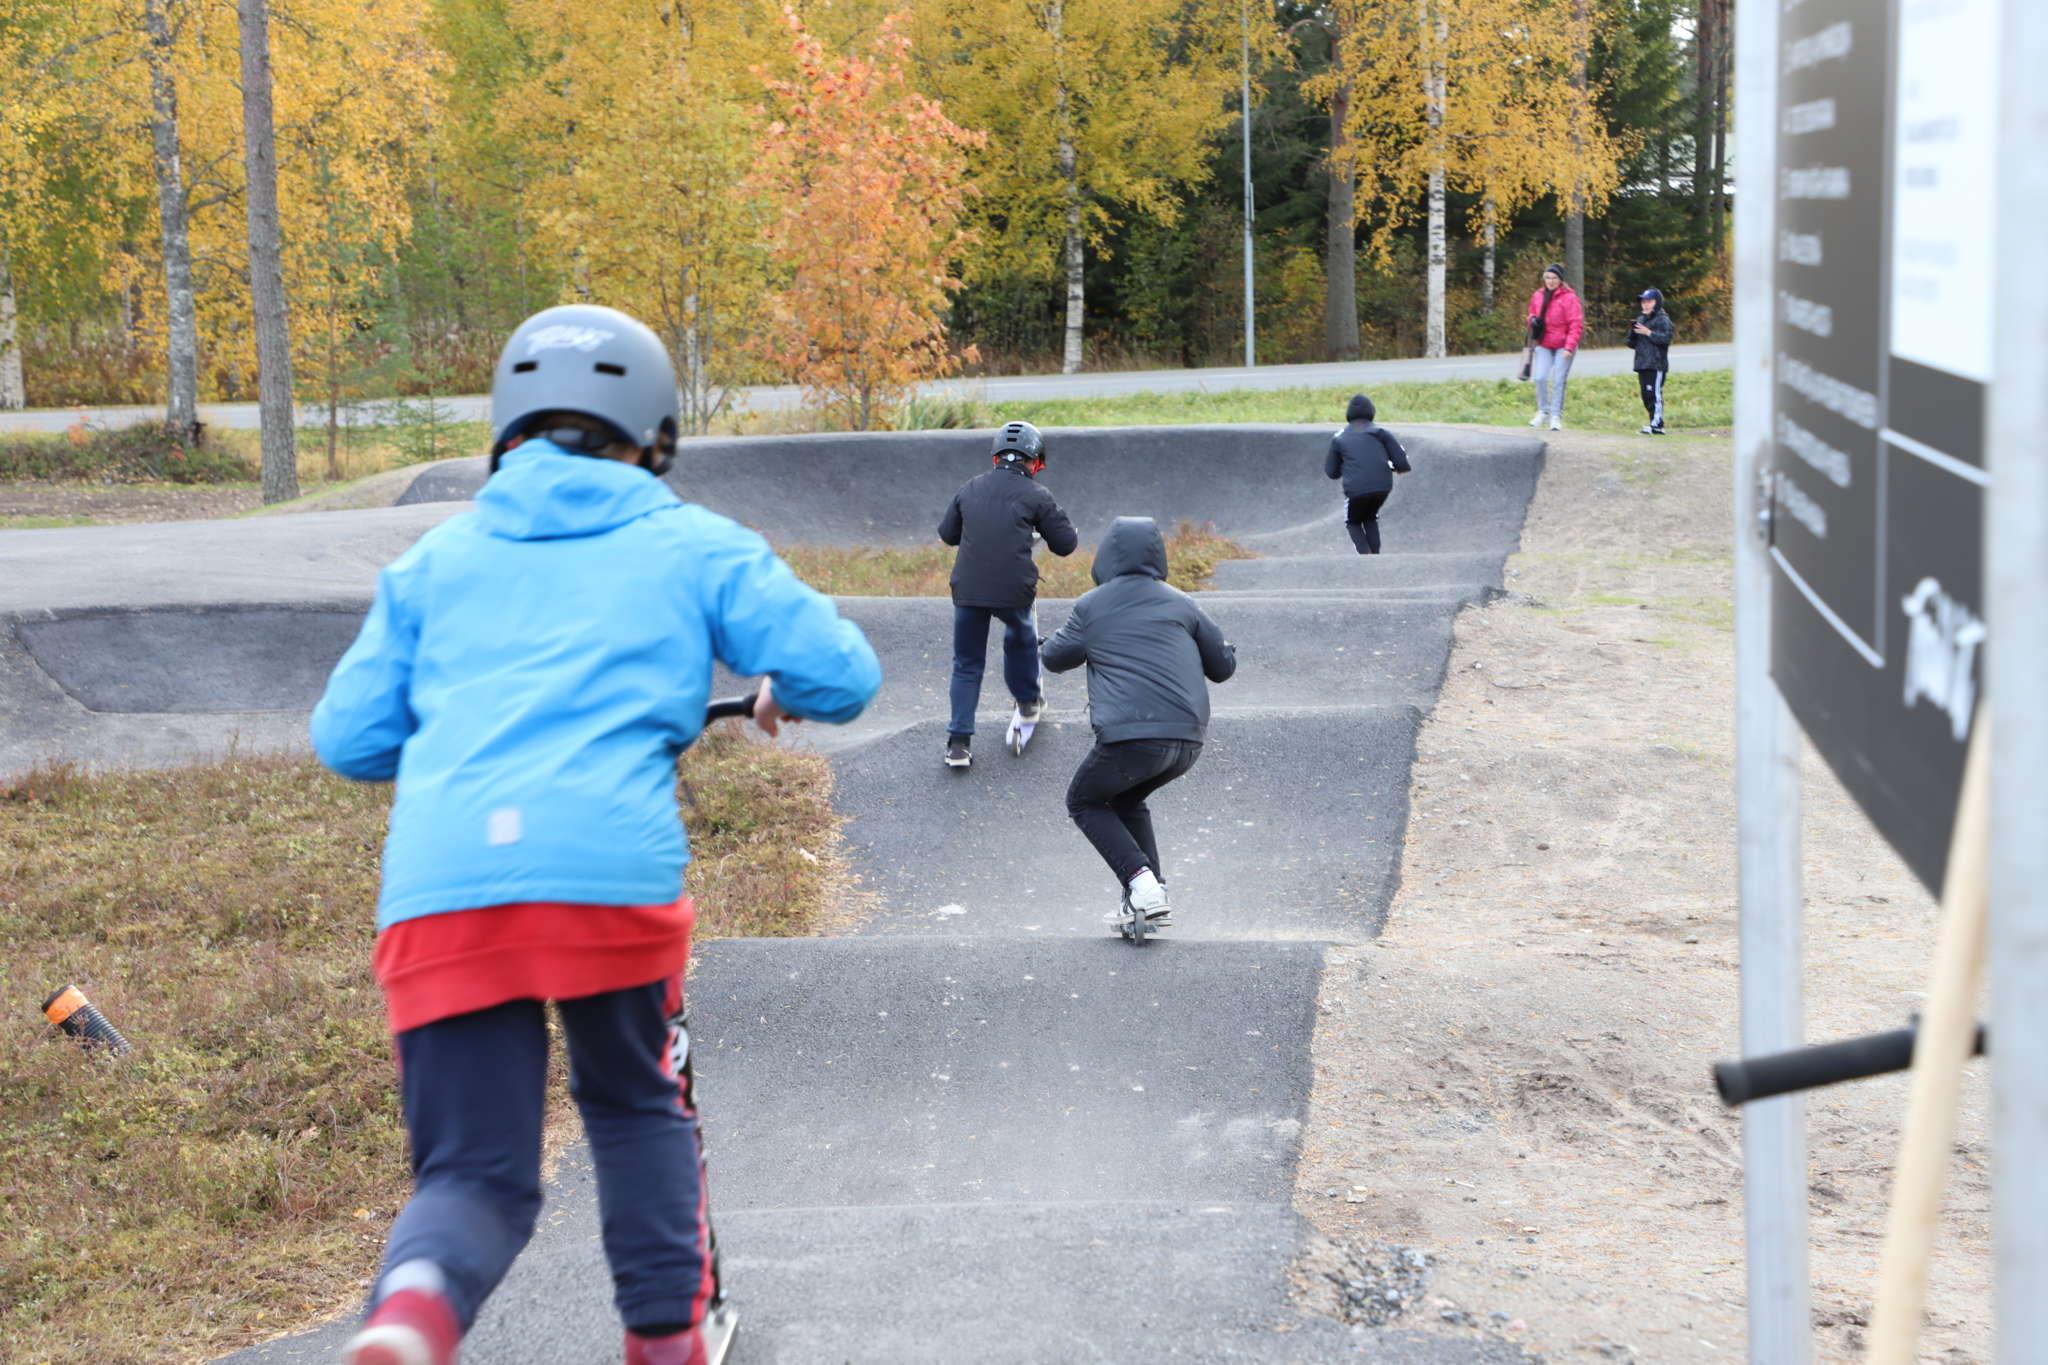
x,y
1942,1044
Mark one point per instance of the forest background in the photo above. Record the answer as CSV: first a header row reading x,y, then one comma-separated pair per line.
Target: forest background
x,y
851,195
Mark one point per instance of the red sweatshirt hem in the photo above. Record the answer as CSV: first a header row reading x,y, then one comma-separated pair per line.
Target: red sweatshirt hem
x,y
438,966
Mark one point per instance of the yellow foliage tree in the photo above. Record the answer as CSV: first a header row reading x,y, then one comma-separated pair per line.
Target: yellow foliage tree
x,y
355,96
1093,109
1470,94
43,45
867,179
640,125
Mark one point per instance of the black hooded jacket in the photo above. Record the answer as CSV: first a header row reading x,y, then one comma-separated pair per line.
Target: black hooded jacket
x,y
1365,455
1147,645
1653,352
991,519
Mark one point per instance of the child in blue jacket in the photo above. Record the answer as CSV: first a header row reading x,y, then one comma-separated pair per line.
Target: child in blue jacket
x,y
528,673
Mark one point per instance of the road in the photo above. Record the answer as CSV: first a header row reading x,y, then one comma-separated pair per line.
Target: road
x,y
998,389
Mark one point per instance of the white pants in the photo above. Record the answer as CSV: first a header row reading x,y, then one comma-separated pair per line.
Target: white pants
x,y
1549,368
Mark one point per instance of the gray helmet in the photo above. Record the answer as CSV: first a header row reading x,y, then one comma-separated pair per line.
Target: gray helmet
x,y
585,359
1019,441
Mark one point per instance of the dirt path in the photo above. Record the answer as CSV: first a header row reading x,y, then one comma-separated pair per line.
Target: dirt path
x,y
1513,1079
38,503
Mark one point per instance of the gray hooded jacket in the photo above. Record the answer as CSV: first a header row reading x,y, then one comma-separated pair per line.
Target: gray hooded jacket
x,y
1147,645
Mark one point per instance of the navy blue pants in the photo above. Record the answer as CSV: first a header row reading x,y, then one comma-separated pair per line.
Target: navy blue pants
x,y
970,659
473,1092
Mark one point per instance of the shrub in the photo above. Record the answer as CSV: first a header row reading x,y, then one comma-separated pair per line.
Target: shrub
x,y
143,453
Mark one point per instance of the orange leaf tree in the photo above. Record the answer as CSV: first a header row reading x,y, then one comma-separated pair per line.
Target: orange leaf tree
x,y
867,179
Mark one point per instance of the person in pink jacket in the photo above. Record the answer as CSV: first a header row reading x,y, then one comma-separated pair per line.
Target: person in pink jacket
x,y
1556,322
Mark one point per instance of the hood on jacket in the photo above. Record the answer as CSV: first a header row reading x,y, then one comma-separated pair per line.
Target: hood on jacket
x,y
1133,545
1359,409
541,492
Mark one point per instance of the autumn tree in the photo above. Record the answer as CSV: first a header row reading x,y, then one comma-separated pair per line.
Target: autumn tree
x,y
640,122
43,43
354,98
866,179
1476,95
1094,110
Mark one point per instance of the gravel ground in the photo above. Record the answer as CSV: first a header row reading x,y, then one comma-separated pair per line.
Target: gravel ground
x,y
1514,1078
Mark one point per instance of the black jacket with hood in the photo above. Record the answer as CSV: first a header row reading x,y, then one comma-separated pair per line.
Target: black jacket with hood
x,y
1147,645
1653,352
1364,453
991,519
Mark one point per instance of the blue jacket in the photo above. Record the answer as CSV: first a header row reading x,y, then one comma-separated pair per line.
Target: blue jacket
x,y
529,672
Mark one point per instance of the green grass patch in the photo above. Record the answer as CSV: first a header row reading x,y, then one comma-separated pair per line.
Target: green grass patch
x,y
1192,554
41,523
1602,403
236,1174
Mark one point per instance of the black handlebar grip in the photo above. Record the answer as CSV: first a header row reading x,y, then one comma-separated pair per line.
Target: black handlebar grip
x,y
1809,1068
731,708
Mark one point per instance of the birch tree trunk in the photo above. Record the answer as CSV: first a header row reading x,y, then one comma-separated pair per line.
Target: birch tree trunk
x,y
1491,238
13,395
1340,239
1073,249
1077,301
1438,29
181,408
266,260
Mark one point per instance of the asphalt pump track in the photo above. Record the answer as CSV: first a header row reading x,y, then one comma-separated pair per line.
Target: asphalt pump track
x,y
979,1127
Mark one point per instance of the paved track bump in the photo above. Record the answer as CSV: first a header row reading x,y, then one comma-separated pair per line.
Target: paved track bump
x,y
980,1128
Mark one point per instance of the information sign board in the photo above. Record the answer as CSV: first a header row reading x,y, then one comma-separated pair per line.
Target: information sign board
x,y
1886,144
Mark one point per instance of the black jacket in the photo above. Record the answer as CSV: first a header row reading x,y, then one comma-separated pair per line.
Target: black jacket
x,y
1364,455
1653,352
1147,645
991,519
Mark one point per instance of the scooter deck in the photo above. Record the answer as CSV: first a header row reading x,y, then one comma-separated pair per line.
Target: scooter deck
x,y
721,1325
1019,733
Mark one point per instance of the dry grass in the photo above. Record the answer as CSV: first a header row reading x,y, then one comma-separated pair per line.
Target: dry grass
x,y
1192,554
236,1174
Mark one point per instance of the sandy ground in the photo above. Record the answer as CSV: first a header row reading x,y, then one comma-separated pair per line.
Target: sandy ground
x,y
1514,1078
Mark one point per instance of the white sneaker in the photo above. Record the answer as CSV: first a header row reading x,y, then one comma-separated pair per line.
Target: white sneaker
x,y
1537,420
1147,896
1557,424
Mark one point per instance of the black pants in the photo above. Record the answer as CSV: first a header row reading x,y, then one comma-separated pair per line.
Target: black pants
x,y
1652,384
1107,799
1362,520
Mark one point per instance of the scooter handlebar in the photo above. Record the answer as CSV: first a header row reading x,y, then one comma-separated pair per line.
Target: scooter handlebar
x,y
731,708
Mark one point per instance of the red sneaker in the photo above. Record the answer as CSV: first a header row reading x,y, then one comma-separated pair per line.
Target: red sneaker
x,y
410,1327
683,1348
